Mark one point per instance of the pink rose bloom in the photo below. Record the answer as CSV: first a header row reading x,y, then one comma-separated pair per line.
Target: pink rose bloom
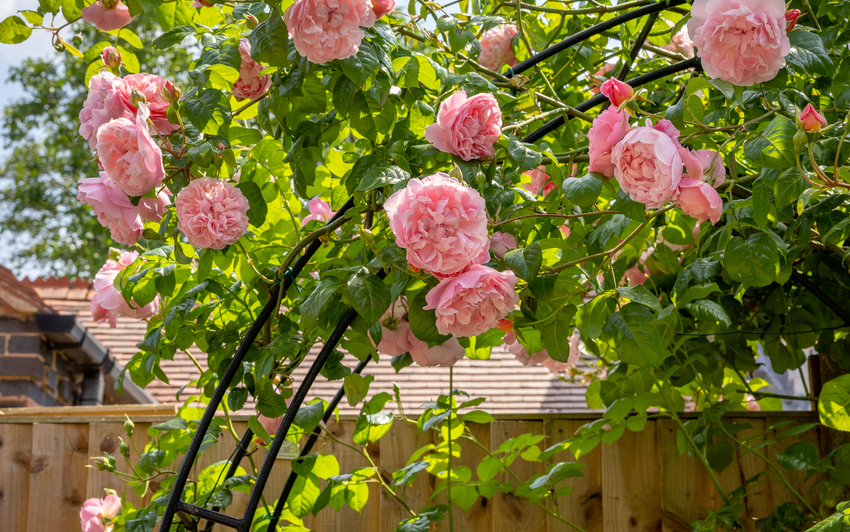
x,y
540,183
99,108
129,155
153,209
607,130
95,510
705,165
107,18
740,41
107,304
211,213
324,30
635,275
616,91
112,208
811,119
496,47
501,243
791,19
444,355
319,210
382,7
270,424
397,338
681,43
699,199
474,301
441,223
250,84
598,77
647,165
752,404
152,87
467,127
565,230
541,358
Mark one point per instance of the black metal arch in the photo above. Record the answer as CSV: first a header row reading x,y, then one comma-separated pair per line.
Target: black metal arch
x,y
243,524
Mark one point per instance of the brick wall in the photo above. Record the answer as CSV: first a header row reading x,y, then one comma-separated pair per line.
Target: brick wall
x,y
32,374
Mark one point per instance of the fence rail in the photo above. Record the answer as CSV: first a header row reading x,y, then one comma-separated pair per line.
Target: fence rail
x,y
640,483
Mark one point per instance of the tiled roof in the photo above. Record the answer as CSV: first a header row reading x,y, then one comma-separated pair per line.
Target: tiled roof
x,y
507,386
17,299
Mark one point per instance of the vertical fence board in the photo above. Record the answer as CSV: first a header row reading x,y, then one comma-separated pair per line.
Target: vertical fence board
x,y
347,520
395,449
584,505
60,453
759,500
15,459
631,488
797,479
512,513
479,517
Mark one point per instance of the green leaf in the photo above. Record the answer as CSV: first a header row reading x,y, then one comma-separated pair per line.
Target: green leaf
x,y
72,9
236,398
243,136
707,310
582,191
209,112
808,53
591,317
309,416
525,158
304,494
638,336
774,147
270,41
381,176
834,403
270,403
369,296
172,37
556,337
761,202
363,66
754,261
258,208
525,262
317,300
356,387
800,456
720,455
14,31
640,294
144,521
423,323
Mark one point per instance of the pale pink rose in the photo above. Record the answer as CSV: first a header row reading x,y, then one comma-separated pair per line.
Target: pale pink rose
x,y
443,355
681,43
752,404
153,209
635,275
575,352
565,230
95,510
791,19
319,210
250,84
99,107
107,18
108,304
540,183
112,208
705,165
270,424
740,41
129,155
211,213
616,91
540,358
607,130
152,87
496,47
441,223
647,165
397,338
111,57
474,301
665,126
467,127
501,243
382,7
324,30
599,76
699,199
810,119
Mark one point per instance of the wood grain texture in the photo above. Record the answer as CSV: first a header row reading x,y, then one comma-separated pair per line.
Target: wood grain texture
x,y
797,479
104,438
631,487
395,449
58,475
511,513
584,505
15,460
480,515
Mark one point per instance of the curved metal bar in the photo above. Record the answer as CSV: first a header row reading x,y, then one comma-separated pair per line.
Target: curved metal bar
x,y
590,32
308,446
204,425
554,124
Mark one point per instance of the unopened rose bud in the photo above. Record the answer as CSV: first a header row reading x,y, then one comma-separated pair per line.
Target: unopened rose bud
x,y
125,451
800,140
111,58
77,39
791,18
171,92
505,325
128,426
251,21
136,97
616,91
810,120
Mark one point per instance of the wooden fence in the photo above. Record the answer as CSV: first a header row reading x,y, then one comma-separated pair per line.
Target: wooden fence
x,y
640,483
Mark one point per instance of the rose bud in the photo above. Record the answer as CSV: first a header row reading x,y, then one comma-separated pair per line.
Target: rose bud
x,y
251,21
810,120
137,97
616,91
171,92
791,19
111,58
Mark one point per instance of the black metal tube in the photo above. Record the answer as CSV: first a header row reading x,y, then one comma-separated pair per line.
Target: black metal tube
x,y
554,124
639,42
241,449
590,32
308,446
210,515
227,378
